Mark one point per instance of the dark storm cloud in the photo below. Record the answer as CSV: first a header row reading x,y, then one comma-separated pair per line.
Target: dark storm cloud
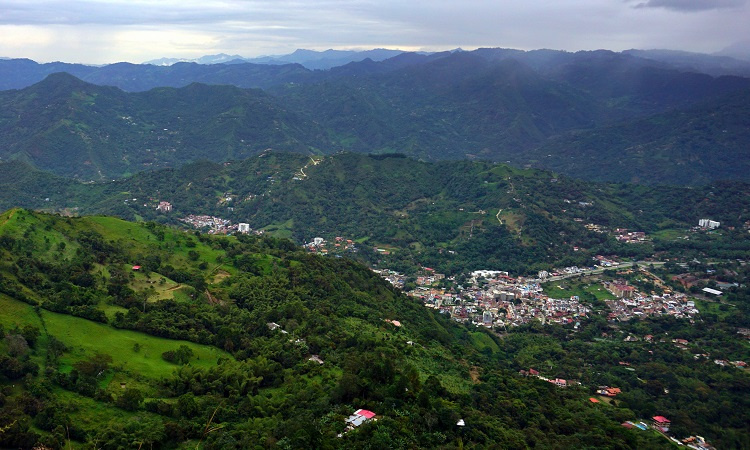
x,y
692,5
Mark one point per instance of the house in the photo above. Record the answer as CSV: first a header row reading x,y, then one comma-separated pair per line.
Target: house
x,y
686,280
593,400
315,358
609,392
661,423
359,417
136,268
164,207
623,291
559,382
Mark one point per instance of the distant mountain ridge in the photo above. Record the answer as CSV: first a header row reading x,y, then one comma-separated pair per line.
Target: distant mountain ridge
x,y
310,59
307,66
493,104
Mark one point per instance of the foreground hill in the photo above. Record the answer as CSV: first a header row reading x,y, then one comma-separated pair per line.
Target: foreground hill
x,y
209,342
453,216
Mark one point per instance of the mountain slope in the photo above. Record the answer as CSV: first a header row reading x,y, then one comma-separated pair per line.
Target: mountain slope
x,y
452,216
79,129
492,104
691,146
228,300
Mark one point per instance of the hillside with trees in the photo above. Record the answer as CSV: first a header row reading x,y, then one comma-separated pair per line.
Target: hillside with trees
x,y
453,216
596,115
121,334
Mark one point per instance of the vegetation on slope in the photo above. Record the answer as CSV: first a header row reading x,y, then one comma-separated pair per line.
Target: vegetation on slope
x,y
452,216
238,382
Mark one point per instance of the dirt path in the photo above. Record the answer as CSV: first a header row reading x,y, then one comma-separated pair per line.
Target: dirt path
x,y
13,213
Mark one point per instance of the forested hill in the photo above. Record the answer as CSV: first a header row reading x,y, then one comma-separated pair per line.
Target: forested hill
x,y
697,143
81,130
541,108
454,216
117,334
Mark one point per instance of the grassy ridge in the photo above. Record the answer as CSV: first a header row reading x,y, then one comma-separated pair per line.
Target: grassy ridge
x,y
85,338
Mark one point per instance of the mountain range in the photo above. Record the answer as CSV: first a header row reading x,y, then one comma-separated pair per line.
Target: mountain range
x,y
638,118
310,59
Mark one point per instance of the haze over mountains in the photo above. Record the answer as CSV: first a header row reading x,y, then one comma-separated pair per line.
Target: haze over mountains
x,y
310,59
600,115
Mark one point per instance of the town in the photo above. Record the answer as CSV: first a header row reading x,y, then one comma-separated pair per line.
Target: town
x,y
494,299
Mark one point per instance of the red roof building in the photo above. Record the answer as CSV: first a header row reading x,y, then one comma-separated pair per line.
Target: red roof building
x,y
365,413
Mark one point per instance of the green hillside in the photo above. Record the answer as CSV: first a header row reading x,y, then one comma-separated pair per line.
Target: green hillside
x,y
453,216
91,132
684,147
593,115
92,356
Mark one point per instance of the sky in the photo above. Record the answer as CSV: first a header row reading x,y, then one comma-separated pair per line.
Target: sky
x,y
107,31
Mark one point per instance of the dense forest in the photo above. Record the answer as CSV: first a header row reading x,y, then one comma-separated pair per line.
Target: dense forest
x,y
631,118
454,216
209,343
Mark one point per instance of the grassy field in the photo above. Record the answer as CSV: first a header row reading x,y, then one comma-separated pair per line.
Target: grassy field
x,y
668,234
84,338
481,341
555,289
160,287
722,311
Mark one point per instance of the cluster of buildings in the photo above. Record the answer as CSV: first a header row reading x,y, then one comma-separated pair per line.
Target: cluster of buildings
x,y
339,245
493,298
359,417
708,224
428,277
559,382
217,225
621,234
632,237
164,207
393,277
637,305
725,363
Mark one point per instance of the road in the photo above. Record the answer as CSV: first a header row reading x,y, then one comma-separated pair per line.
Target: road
x,y
602,269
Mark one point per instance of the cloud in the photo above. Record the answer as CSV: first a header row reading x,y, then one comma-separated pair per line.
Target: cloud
x,y
138,30
692,5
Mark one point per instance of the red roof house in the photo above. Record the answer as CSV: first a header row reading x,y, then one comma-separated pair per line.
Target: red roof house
x,y
365,413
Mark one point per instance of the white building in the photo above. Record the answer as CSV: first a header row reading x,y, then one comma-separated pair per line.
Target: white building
x,y
243,228
164,207
708,223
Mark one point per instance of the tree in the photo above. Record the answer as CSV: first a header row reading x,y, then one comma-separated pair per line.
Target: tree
x,y
180,356
130,399
17,345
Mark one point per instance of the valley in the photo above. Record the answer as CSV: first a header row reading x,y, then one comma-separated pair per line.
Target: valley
x,y
469,249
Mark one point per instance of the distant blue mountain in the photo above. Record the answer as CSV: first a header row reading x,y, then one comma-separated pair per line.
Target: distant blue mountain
x,y
310,59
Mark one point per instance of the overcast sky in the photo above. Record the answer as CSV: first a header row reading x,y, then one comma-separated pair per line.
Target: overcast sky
x,y
105,31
